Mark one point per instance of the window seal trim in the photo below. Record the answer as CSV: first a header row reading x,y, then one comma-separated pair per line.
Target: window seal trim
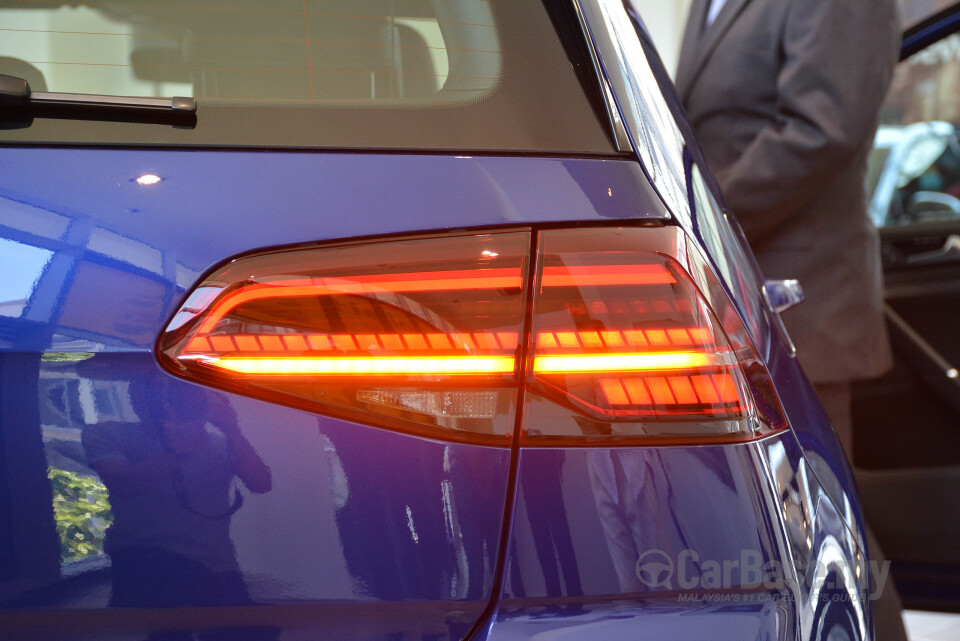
x,y
621,138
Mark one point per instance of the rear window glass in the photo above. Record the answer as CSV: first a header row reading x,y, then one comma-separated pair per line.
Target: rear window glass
x,y
435,74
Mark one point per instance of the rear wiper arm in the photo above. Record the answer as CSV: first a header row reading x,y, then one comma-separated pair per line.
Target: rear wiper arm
x,y
19,105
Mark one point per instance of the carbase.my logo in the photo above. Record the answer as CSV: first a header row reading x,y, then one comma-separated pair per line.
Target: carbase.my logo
x,y
688,571
655,568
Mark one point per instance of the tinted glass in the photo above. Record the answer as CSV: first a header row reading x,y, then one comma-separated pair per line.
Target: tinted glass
x,y
325,51
360,73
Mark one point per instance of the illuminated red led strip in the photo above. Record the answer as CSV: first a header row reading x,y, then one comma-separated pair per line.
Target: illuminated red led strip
x,y
367,284
653,338
418,281
397,366
706,389
511,278
645,306
644,361
250,343
593,275
246,344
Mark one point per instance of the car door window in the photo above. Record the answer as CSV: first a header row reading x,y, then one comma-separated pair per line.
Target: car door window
x,y
914,184
914,169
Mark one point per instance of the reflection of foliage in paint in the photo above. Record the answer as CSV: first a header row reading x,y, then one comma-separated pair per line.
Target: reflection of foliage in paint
x,y
65,357
82,511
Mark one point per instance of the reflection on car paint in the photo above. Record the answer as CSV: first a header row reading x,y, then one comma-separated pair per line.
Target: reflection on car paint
x,y
658,618
684,526
189,497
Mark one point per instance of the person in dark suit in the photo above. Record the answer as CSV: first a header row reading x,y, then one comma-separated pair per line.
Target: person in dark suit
x,y
784,97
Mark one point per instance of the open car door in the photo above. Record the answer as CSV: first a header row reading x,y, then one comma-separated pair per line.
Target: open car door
x,y
907,424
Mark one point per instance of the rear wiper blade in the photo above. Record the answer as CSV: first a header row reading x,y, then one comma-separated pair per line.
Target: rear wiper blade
x,y
19,106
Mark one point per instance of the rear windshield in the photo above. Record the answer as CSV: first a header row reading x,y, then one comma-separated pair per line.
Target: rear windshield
x,y
418,74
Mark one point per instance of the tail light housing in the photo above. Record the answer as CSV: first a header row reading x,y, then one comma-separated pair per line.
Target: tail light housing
x,y
419,335
626,346
611,335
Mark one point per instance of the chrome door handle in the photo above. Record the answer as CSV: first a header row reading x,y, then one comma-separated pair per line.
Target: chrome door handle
x,y
783,294
948,253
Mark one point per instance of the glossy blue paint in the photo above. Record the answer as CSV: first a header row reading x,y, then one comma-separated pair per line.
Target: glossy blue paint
x,y
137,248
110,283
347,513
330,511
650,503
709,618
742,535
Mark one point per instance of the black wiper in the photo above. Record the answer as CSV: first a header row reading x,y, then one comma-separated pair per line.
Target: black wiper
x,y
19,106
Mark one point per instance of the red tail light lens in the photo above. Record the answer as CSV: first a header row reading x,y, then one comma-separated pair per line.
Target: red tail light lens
x,y
625,346
421,335
428,335
622,348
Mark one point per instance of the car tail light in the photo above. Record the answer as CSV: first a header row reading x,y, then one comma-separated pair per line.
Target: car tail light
x,y
421,335
625,346
632,338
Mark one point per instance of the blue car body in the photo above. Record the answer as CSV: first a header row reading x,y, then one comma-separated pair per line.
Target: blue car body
x,y
367,533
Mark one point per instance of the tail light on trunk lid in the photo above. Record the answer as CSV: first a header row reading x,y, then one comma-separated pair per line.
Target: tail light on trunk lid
x,y
418,335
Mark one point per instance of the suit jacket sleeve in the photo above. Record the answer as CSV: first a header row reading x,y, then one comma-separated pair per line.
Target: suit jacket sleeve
x,y
838,58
